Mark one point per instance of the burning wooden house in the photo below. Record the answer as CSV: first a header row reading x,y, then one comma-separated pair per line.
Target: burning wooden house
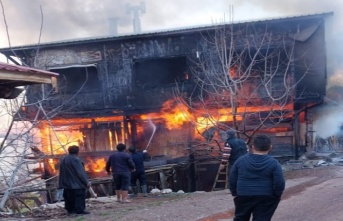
x,y
174,92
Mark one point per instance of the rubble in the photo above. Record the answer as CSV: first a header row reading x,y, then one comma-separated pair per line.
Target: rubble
x,y
314,159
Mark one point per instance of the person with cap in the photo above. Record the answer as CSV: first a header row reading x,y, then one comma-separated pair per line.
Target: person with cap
x,y
74,182
121,164
138,158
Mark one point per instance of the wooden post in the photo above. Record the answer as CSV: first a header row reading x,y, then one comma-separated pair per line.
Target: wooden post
x,y
126,130
163,180
296,135
92,135
113,142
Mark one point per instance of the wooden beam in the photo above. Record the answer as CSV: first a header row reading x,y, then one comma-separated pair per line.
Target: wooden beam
x,y
39,78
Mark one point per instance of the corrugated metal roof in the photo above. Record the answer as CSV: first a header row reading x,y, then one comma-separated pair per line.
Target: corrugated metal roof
x,y
169,31
17,68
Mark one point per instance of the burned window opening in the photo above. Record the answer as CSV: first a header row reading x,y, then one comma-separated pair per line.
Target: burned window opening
x,y
149,73
78,79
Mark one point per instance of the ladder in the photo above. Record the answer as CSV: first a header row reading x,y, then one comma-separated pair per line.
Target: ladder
x,y
221,177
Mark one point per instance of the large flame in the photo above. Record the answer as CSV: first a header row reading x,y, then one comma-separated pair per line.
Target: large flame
x,y
57,135
91,165
56,141
173,114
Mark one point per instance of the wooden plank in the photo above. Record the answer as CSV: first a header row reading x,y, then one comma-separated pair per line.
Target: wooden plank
x,y
210,162
26,77
102,137
92,138
160,168
104,189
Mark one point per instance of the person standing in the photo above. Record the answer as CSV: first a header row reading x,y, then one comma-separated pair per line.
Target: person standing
x,y
256,182
233,149
138,175
237,145
74,182
122,165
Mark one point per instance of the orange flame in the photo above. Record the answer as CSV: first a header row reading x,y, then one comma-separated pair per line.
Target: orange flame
x,y
173,114
95,165
176,114
58,134
55,141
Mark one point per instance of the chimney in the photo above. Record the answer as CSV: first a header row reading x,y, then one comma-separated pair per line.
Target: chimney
x,y
136,19
113,24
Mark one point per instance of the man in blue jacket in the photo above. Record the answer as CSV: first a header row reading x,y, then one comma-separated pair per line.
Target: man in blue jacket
x,y
138,158
256,182
73,179
237,145
122,165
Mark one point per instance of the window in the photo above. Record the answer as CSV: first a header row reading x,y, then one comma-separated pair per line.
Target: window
x,y
79,78
160,71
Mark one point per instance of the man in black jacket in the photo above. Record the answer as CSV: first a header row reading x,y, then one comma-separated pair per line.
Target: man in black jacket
x,y
73,179
122,165
256,182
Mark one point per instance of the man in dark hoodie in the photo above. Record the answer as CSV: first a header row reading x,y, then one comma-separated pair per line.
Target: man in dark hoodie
x,y
73,179
122,165
256,182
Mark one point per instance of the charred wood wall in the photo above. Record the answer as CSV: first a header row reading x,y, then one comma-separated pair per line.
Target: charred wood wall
x,y
115,65
310,44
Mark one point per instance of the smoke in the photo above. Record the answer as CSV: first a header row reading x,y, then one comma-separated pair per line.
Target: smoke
x,y
70,19
61,19
328,121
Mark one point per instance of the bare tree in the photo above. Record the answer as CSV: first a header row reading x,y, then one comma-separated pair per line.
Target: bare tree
x,y
20,154
244,76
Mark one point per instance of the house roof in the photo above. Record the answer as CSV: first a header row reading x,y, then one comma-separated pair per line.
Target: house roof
x,y
13,76
164,32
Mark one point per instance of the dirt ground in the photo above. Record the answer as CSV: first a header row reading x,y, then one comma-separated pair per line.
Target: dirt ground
x,y
198,206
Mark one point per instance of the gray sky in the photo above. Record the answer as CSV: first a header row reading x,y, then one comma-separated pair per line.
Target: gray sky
x,y
69,19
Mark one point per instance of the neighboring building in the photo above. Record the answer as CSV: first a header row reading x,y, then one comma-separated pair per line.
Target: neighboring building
x,y
119,89
14,76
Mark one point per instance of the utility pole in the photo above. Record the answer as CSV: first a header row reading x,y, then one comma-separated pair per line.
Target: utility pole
x,y
136,19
